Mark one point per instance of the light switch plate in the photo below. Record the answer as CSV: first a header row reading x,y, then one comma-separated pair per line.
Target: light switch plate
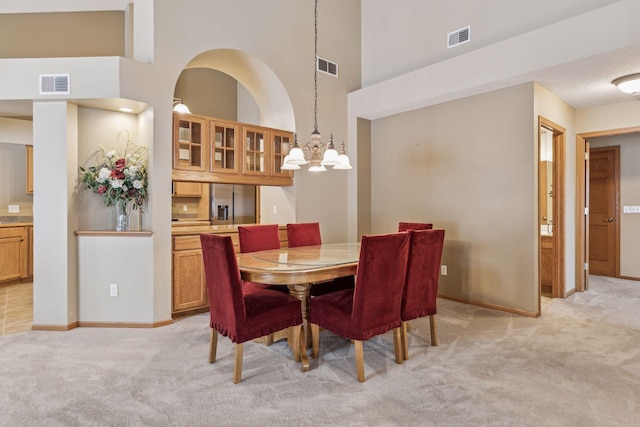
x,y
14,208
631,209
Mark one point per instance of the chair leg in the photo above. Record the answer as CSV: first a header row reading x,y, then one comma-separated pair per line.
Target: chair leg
x,y
268,339
213,345
237,368
405,341
302,348
397,345
359,360
434,332
315,340
293,336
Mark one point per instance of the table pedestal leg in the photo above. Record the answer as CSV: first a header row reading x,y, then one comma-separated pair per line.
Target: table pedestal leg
x,y
302,292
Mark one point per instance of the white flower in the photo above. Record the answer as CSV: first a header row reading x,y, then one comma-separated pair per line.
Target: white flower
x,y
103,175
116,183
110,154
137,184
124,188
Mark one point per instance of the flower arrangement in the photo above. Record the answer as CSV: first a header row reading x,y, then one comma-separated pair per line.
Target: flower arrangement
x,y
119,177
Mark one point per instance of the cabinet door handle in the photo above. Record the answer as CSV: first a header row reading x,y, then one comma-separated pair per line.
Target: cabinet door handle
x,y
608,219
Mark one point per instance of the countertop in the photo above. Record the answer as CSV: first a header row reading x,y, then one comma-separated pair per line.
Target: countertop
x,y
197,229
15,224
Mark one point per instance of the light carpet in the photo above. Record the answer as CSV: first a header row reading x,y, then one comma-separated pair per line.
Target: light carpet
x,y
578,364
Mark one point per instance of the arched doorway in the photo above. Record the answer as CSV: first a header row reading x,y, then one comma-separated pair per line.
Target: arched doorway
x,y
261,100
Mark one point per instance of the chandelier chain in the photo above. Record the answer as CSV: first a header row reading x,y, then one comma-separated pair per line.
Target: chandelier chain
x,y
315,70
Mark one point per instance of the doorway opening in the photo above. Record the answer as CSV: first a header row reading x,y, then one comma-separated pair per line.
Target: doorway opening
x,y
584,211
551,165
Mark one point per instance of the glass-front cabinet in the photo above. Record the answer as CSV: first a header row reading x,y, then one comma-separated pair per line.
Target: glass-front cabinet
x,y
281,142
214,150
224,150
255,150
189,146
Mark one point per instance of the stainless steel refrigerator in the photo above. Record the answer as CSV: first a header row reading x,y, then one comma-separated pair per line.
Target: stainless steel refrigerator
x,y
233,204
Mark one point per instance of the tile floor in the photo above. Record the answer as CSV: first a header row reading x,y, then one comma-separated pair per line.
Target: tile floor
x,y
16,308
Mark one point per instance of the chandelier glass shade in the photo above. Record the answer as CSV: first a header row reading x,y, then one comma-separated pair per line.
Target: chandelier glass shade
x,y
315,153
180,107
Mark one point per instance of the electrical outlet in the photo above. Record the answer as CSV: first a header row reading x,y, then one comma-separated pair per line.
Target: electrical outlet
x,y
185,208
113,289
443,270
14,209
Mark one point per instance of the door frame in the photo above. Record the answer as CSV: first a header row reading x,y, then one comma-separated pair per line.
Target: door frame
x,y
559,145
582,193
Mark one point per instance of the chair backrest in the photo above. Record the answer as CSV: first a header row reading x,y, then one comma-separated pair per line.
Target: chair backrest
x,y
423,270
406,226
303,234
255,238
226,303
379,283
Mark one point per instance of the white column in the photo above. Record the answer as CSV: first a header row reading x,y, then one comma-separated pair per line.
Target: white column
x,y
55,164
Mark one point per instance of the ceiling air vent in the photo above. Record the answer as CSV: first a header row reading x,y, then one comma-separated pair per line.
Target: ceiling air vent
x,y
327,66
54,84
458,37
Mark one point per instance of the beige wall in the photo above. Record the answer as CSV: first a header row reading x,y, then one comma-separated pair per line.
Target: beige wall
x,y
468,167
209,93
48,35
629,196
413,33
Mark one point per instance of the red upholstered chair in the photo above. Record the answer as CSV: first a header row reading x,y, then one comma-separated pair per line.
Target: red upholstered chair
x,y
308,234
304,234
261,237
406,226
373,306
421,287
254,238
243,317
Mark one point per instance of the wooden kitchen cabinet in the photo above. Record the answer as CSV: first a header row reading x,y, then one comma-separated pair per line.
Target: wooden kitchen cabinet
x,y
210,150
281,142
546,261
189,286
190,142
224,147
255,150
187,189
29,251
13,253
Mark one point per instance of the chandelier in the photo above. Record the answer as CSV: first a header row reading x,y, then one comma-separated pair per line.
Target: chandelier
x,y
315,153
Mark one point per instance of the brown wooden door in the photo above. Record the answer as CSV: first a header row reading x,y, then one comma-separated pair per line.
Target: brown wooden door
x,y
603,210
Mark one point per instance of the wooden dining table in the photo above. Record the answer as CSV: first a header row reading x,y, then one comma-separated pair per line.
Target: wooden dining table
x,y
299,268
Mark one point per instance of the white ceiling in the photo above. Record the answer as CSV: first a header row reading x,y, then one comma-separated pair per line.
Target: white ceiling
x,y
587,82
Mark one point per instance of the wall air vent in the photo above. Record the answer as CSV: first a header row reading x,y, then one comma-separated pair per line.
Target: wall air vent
x,y
459,37
327,67
54,84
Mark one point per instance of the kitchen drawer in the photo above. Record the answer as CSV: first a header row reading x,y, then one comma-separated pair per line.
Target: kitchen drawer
x,y
184,243
13,232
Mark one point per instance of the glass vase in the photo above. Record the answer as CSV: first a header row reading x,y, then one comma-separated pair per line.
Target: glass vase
x,y
123,216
